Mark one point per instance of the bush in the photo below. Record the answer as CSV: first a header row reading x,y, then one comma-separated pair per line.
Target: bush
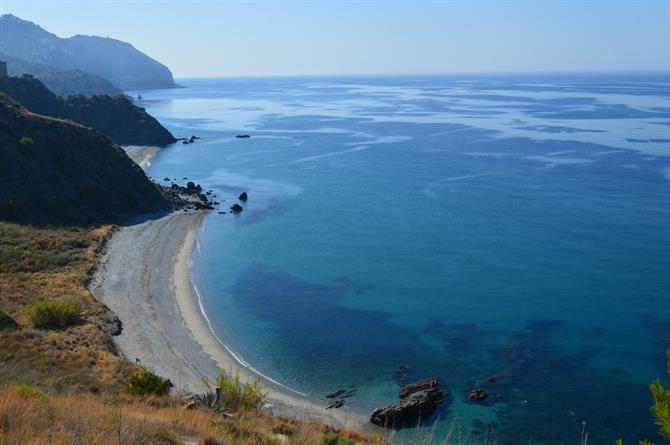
x,y
335,439
148,383
29,392
232,396
7,322
63,312
661,407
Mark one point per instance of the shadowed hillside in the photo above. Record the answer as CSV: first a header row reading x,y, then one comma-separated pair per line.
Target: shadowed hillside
x,y
56,171
114,116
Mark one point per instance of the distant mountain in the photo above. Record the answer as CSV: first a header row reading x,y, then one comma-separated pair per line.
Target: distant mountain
x,y
116,61
62,82
114,116
57,171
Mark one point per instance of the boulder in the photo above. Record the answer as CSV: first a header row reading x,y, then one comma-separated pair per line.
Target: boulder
x,y
335,404
242,136
236,208
477,395
243,196
423,384
409,411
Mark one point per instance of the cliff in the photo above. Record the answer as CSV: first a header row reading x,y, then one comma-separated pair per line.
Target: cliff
x,y
57,171
114,116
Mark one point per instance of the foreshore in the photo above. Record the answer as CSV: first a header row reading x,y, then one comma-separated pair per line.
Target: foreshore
x,y
141,154
144,277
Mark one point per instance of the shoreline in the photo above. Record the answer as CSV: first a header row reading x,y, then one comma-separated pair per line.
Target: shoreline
x,y
144,278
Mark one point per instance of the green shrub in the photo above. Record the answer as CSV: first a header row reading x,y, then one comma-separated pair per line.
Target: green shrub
x,y
335,439
148,383
234,396
7,322
30,392
63,312
661,407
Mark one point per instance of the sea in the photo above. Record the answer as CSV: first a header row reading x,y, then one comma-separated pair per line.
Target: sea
x,y
504,232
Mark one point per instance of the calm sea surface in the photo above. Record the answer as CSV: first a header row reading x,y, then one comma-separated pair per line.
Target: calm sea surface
x,y
460,227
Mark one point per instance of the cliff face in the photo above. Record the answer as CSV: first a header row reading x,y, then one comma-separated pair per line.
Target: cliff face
x,y
114,116
59,172
114,60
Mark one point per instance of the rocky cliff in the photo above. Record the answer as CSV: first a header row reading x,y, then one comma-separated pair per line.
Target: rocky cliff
x,y
114,116
59,172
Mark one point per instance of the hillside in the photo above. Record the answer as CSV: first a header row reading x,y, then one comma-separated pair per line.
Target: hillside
x,y
114,116
118,62
61,82
57,171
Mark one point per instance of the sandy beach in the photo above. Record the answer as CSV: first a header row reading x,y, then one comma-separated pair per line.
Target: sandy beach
x,y
141,154
144,277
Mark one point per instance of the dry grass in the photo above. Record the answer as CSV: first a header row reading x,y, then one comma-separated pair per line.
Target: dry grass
x,y
65,385
27,418
55,264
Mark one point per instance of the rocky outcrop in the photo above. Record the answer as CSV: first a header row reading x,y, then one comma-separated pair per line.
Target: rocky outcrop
x,y
477,395
236,208
416,386
409,411
243,196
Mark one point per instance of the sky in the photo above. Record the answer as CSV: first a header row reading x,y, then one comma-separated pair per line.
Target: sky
x,y
206,38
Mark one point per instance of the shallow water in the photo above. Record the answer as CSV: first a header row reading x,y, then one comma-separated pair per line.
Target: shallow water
x,y
459,226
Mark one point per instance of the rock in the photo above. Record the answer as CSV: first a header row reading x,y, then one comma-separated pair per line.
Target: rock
x,y
222,213
409,411
338,393
191,187
423,384
243,196
236,208
242,136
496,378
185,142
477,395
335,404
166,179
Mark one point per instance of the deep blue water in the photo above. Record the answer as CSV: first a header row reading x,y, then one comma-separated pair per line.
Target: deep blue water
x,y
458,226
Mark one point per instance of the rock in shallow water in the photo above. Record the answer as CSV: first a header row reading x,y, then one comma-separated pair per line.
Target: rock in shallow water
x,y
408,411
413,387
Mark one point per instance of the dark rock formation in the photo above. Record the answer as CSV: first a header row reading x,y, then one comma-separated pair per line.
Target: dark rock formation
x,y
335,404
242,136
114,116
59,172
477,395
243,196
409,411
413,387
236,208
496,378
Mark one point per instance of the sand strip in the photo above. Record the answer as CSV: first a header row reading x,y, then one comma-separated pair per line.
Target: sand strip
x,y
141,154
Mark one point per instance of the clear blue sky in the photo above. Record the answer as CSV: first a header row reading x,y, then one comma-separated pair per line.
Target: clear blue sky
x,y
234,38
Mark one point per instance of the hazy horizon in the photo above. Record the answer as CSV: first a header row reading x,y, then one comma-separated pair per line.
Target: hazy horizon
x,y
207,39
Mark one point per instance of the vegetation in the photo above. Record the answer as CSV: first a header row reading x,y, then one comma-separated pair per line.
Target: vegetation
x,y
661,407
7,322
147,383
63,312
232,396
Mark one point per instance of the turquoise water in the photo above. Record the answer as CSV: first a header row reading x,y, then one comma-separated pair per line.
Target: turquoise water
x,y
458,226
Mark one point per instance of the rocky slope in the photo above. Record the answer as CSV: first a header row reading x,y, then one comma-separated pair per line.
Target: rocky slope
x,y
57,171
114,116
114,60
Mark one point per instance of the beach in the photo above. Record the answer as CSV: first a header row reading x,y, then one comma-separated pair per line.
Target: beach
x,y
144,278
141,154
